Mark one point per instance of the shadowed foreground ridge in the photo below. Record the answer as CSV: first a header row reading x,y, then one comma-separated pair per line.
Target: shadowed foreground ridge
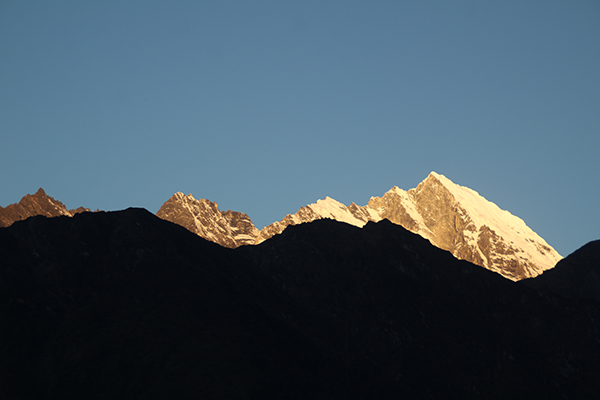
x,y
126,305
577,276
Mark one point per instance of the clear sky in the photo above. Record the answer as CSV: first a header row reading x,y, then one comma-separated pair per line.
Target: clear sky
x,y
264,107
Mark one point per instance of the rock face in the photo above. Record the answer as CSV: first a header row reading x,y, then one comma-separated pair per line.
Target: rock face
x,y
38,204
452,217
203,217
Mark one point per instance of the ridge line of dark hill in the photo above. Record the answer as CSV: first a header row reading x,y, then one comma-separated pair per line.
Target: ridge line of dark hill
x,y
126,305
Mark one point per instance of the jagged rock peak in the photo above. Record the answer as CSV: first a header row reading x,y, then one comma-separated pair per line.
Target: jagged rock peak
x,y
452,217
203,217
37,204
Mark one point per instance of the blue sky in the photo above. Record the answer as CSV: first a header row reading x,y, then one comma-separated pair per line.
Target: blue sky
x,y
264,107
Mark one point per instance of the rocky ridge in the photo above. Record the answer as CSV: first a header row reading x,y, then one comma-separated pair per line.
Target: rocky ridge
x,y
450,216
37,204
203,217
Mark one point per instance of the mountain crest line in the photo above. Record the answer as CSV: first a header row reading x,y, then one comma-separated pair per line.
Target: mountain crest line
x,y
450,216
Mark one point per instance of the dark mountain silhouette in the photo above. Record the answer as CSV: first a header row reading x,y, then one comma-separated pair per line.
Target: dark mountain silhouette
x,y
576,276
126,305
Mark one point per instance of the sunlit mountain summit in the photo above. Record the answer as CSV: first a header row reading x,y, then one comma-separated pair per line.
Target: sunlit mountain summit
x,y
450,216
203,217
35,204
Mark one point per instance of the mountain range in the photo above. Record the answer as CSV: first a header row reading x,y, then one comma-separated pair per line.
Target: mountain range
x,y
125,305
450,216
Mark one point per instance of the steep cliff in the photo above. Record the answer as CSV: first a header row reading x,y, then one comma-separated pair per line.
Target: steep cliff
x,y
203,217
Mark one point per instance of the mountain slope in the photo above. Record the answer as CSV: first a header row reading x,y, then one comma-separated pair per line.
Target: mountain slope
x,y
126,305
452,217
576,276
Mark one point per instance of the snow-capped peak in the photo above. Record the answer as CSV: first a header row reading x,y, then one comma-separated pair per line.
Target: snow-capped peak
x,y
331,208
452,217
518,235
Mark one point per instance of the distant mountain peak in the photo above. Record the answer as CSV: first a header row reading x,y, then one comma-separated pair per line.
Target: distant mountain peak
x,y
37,204
203,217
486,216
452,217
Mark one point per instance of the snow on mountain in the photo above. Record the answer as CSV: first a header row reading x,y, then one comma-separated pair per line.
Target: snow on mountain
x,y
452,217
520,243
328,208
